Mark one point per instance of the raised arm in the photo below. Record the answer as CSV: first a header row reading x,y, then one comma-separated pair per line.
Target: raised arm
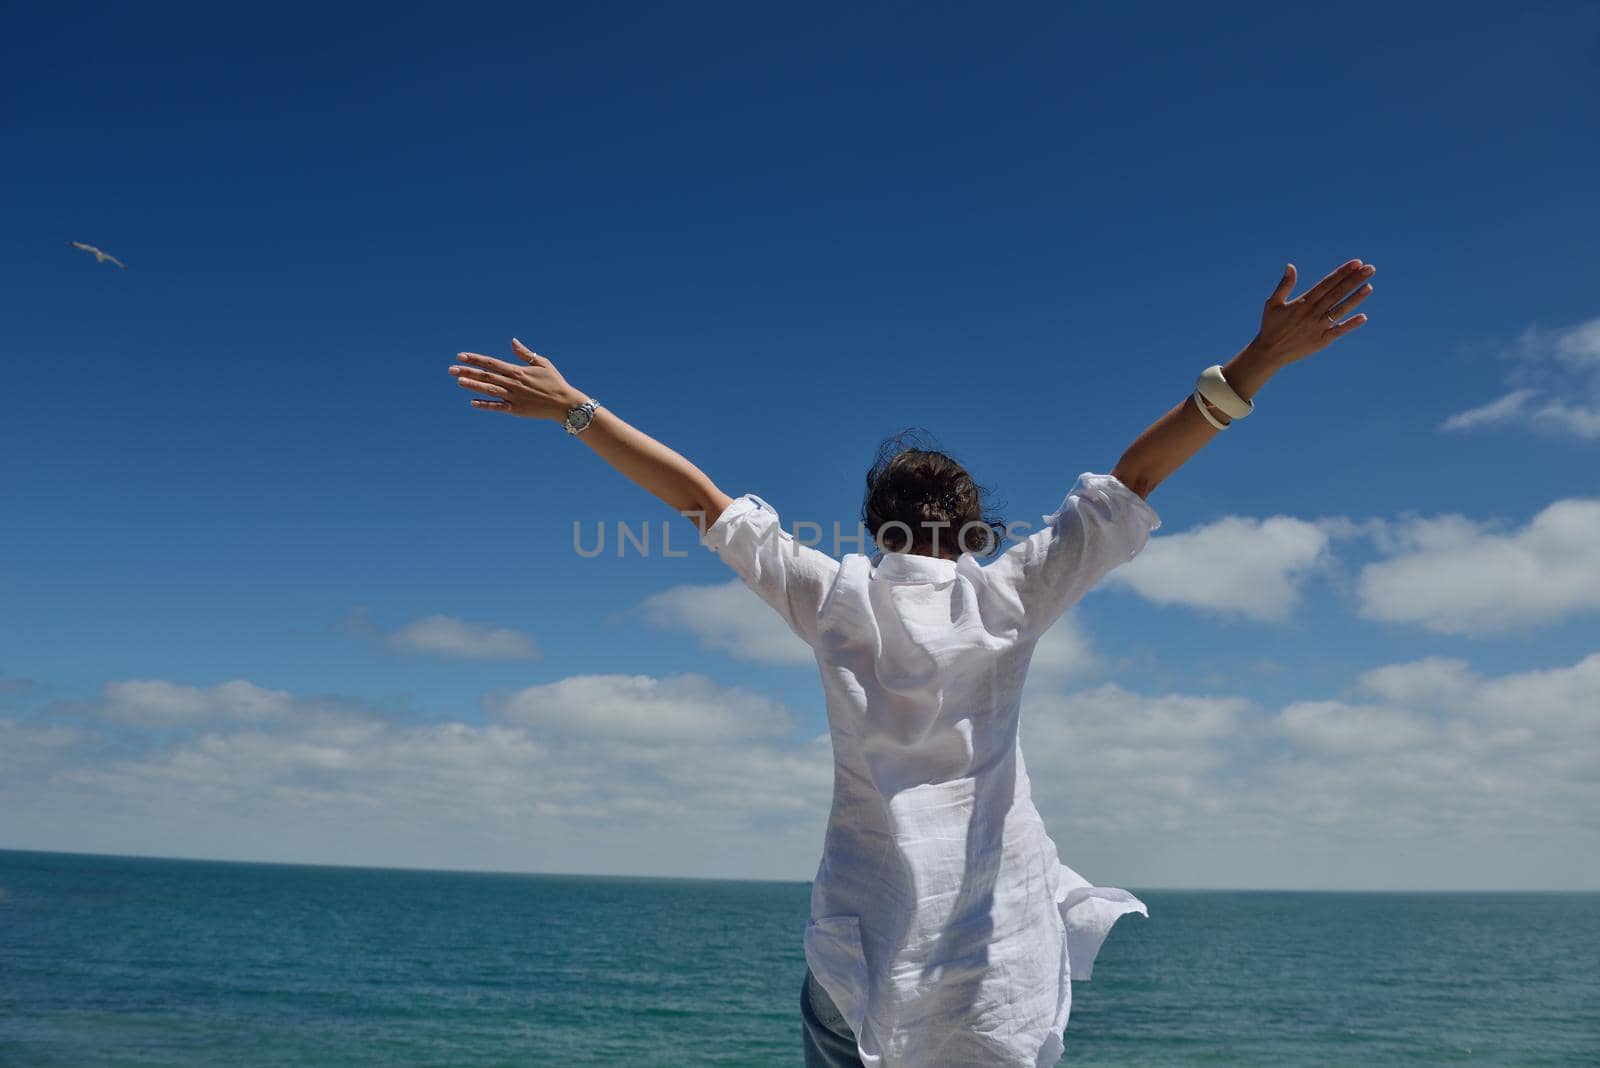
x,y
535,389
1291,330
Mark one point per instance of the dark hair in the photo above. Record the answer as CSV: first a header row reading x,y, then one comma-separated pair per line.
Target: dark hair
x,y
914,483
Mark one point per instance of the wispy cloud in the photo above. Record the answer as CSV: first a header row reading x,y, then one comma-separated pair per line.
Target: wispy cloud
x,y
1556,375
1064,653
728,618
28,750
158,703
642,708
441,635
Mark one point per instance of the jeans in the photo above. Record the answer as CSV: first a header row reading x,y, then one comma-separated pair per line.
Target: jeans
x,y
829,1042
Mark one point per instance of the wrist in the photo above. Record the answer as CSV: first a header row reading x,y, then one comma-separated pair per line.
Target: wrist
x,y
1254,365
569,399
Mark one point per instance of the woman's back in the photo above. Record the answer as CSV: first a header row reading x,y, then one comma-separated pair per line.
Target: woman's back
x,y
937,922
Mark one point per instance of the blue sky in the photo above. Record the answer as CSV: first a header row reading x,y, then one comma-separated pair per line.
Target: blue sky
x,y
251,528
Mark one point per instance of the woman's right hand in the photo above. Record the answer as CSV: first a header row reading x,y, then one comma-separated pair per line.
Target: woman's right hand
x,y
1293,329
533,388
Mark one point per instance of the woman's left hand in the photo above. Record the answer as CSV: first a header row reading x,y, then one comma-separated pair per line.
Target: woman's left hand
x,y
533,388
1294,329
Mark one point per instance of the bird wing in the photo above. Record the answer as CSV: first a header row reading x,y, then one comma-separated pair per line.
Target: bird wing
x,y
99,257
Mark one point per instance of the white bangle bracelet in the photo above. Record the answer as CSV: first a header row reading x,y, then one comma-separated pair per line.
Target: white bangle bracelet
x,y
1214,388
1200,402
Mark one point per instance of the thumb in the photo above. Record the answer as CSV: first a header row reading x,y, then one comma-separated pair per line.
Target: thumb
x,y
1285,286
525,352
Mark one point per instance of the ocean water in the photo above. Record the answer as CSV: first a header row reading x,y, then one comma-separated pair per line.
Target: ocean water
x,y
126,961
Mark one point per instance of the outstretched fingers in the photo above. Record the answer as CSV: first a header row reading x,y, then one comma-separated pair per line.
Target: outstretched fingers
x,y
482,386
478,374
484,374
1339,330
488,363
496,379
1348,304
1325,292
1343,292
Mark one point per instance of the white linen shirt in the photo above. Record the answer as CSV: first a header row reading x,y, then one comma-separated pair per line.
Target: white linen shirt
x,y
943,924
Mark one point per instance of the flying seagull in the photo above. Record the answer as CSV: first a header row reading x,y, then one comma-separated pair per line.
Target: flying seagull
x,y
99,257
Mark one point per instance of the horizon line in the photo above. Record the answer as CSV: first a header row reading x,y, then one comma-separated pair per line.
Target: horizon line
x,y
754,879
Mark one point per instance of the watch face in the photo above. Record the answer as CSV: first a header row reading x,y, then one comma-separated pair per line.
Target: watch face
x,y
580,418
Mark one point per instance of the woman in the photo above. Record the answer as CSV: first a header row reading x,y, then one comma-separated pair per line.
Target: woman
x,y
944,929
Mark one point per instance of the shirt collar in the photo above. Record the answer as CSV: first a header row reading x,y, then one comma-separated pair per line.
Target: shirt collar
x,y
912,566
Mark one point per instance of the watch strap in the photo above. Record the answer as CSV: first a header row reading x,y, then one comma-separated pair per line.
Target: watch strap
x,y
589,406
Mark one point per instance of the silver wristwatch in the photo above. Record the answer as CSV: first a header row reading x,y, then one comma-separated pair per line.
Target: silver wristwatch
x,y
580,416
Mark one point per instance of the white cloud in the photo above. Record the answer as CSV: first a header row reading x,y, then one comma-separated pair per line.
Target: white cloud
x,y
1234,566
36,748
1447,753
675,776
1508,409
727,618
1557,375
1456,576
156,703
1064,652
1560,702
1433,776
1108,762
449,636
441,635
686,708
1426,773
1419,682
1331,728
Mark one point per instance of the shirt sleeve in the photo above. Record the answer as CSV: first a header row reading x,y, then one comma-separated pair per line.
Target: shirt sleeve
x,y
791,577
1101,524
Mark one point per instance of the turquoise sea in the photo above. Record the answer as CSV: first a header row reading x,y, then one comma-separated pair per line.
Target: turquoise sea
x,y
129,961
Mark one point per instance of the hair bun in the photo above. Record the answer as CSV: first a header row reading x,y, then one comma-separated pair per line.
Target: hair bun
x,y
914,491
